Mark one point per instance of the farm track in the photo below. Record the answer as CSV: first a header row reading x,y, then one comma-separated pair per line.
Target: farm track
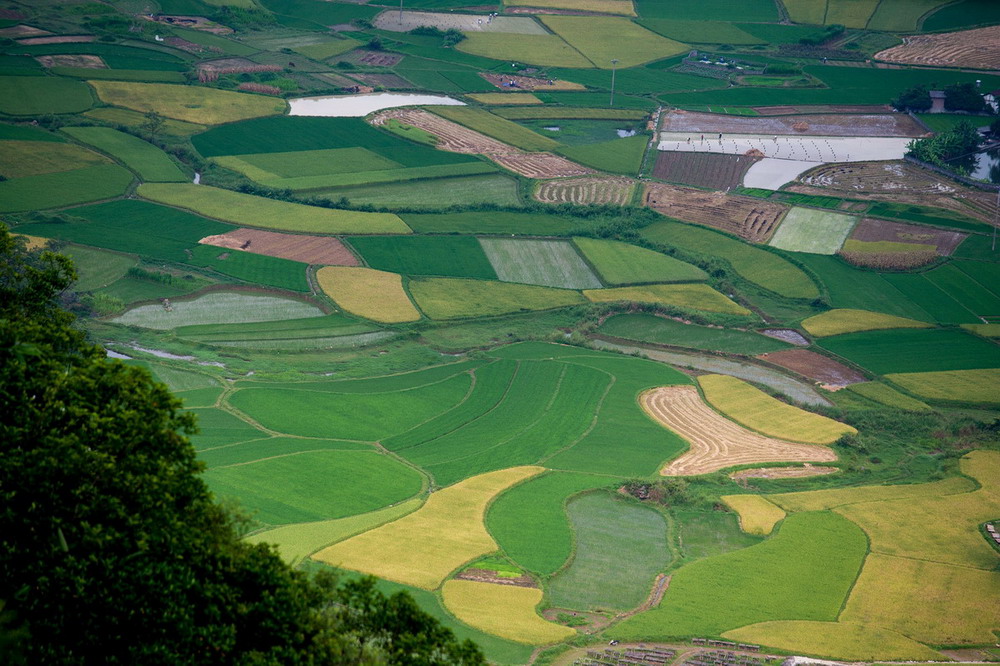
x,y
456,138
717,442
976,49
749,218
586,190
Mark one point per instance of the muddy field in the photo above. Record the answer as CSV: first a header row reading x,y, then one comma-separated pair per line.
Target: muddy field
x,y
819,368
372,58
782,472
487,576
708,170
67,60
871,230
22,31
529,83
586,191
747,217
884,124
977,49
716,442
58,39
307,249
459,139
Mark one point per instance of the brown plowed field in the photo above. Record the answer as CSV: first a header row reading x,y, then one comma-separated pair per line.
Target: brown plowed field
x,y
977,49
308,249
819,368
69,60
944,242
747,217
586,191
529,83
459,139
709,170
782,472
716,442
871,124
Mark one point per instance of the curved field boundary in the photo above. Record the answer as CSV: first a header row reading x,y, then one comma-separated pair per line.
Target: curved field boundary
x,y
843,640
716,442
845,320
752,219
586,191
368,293
503,610
976,49
757,515
297,247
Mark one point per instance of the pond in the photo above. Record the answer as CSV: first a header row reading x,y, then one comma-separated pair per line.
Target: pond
x,y
343,106
987,166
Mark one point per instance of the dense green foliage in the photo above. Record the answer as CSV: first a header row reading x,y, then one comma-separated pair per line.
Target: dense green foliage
x,y
951,149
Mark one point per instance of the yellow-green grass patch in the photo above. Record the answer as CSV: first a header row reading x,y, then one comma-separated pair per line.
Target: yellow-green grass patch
x,y
819,500
622,7
505,98
148,161
960,385
546,50
451,298
757,515
854,245
621,263
602,39
193,104
33,158
941,529
806,11
34,242
251,211
296,542
503,610
985,330
886,395
368,293
835,322
134,119
693,296
850,13
839,640
421,549
936,603
757,410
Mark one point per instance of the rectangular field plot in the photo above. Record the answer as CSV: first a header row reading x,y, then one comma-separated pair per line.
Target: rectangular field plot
x,y
718,10
940,306
545,50
144,158
971,293
447,256
813,231
701,32
97,268
915,350
254,268
708,170
545,263
600,39
451,298
433,193
620,263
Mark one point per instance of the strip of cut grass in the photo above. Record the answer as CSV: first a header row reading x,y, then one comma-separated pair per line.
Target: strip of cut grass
x,y
693,296
38,95
844,320
529,521
452,298
839,640
368,293
600,39
496,127
915,350
813,231
757,410
151,163
248,210
650,328
761,267
66,188
757,515
604,528
545,50
886,395
193,104
540,262
821,552
620,263
421,549
19,159
503,610
952,385
449,256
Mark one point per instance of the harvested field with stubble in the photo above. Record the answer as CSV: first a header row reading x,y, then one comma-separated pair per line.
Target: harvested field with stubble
x,y
708,170
749,218
882,124
716,442
586,190
975,49
816,367
805,471
458,139
307,249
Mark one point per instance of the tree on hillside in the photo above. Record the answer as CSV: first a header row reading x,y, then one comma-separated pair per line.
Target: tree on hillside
x,y
917,98
112,550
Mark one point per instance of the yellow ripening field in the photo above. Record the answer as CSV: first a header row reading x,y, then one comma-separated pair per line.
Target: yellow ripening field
x,y
835,322
757,410
503,610
819,500
546,50
843,640
193,104
421,549
621,7
368,293
942,529
936,603
298,541
985,330
757,515
693,296
497,99
962,385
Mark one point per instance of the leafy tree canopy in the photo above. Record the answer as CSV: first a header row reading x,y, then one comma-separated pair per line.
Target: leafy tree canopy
x,y
964,97
917,98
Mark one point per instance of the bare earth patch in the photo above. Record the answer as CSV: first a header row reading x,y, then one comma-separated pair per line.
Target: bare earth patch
x,y
307,249
832,374
459,139
822,108
372,58
58,39
782,472
747,217
881,124
67,60
708,170
717,442
22,31
586,190
193,22
529,82
872,230
487,576
978,49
